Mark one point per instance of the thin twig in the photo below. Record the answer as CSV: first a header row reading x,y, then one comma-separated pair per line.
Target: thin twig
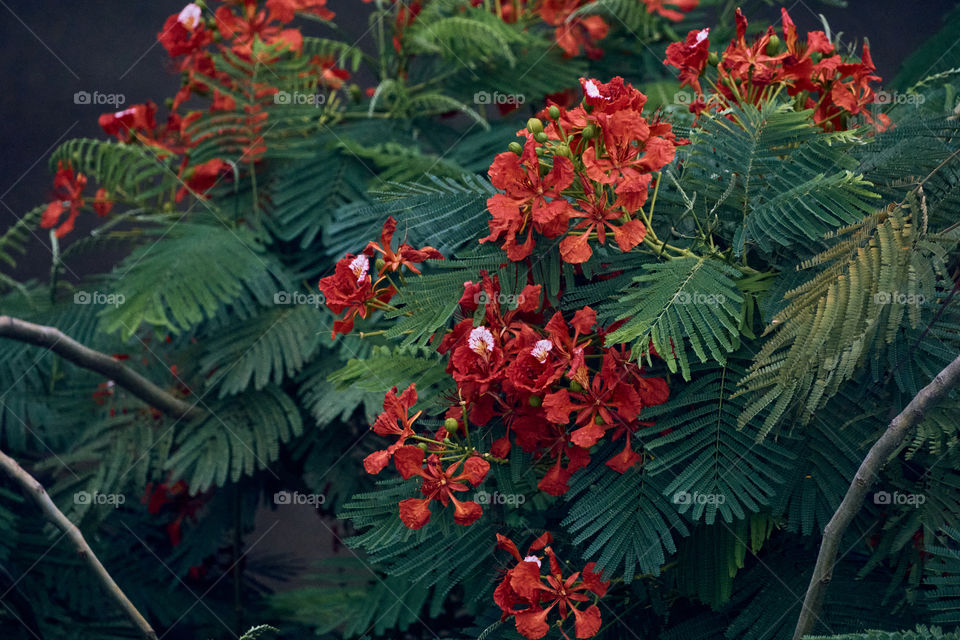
x,y
39,495
878,455
69,349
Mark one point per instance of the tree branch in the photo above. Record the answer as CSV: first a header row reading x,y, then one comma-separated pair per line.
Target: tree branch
x,y
878,455
69,349
39,495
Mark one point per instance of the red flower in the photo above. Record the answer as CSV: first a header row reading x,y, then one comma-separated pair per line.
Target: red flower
x,y
68,189
524,585
254,23
531,201
185,33
597,218
394,421
284,10
139,117
201,178
331,76
690,57
350,289
438,484
574,32
404,256
657,6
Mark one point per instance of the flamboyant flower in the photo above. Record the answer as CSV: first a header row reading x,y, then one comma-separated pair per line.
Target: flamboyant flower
x,y
690,56
138,118
252,23
574,32
68,190
438,484
540,594
404,256
531,201
394,421
662,8
185,33
285,10
201,178
598,218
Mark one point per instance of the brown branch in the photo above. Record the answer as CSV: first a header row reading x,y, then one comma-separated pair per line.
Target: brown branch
x,y
878,455
38,494
69,349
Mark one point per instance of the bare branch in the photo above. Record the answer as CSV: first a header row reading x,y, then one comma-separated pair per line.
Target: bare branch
x,y
68,348
39,495
878,455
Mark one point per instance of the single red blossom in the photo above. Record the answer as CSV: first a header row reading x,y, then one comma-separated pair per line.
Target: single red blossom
x,y
102,203
351,289
598,218
201,178
285,10
394,421
68,189
253,23
613,96
662,8
530,201
438,484
185,33
138,118
574,32
690,56
404,256
331,76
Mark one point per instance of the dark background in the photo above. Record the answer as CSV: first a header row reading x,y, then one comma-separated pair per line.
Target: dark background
x,y
52,49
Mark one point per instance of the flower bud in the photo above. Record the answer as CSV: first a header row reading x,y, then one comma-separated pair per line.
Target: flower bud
x,y
589,131
540,136
535,401
447,441
713,59
451,424
380,264
422,445
540,151
534,125
516,147
598,420
562,150
575,386
554,112
773,46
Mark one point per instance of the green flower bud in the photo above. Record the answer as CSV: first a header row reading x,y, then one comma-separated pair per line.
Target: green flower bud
x,y
516,147
540,151
534,125
535,401
540,136
598,420
380,264
554,112
589,131
575,386
447,441
451,424
713,59
422,445
563,150
773,46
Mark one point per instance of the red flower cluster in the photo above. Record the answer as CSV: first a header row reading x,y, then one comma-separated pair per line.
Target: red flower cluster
x,y
537,595
68,190
603,152
351,290
812,71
